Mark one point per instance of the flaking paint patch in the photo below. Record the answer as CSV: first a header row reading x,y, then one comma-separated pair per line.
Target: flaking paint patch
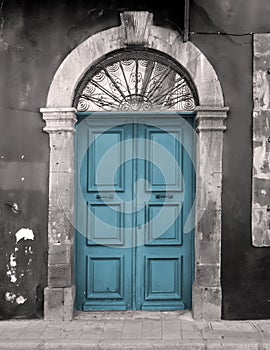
x,y
20,300
260,158
261,89
24,233
11,273
10,297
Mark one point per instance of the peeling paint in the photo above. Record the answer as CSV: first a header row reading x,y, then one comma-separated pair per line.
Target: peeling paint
x,y
13,260
20,300
10,296
261,89
28,250
261,157
24,233
11,273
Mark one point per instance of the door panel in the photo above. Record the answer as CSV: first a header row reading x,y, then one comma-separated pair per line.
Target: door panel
x,y
137,182
164,260
167,287
100,174
105,224
171,219
104,182
164,154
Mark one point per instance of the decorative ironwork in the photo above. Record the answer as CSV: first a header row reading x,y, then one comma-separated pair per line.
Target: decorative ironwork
x,y
137,80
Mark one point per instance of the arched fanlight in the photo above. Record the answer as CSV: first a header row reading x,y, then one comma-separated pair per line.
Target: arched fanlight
x,y
136,80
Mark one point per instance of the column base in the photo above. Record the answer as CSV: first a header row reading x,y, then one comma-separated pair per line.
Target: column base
x,y
206,303
59,303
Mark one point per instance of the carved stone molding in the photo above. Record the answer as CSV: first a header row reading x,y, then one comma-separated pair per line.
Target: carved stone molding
x,y
136,27
59,119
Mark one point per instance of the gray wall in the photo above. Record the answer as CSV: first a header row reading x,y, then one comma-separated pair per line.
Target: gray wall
x,y
34,39
245,269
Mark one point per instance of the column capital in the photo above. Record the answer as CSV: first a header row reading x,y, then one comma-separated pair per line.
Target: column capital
x,y
211,118
59,119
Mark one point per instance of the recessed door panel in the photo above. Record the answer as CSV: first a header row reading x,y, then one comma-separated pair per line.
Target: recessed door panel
x,y
105,154
164,224
105,277
105,224
163,278
164,152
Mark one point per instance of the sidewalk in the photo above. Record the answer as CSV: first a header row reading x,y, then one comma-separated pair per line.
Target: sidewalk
x,y
134,330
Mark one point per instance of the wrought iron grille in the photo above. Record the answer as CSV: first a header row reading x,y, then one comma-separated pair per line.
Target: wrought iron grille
x,y
136,80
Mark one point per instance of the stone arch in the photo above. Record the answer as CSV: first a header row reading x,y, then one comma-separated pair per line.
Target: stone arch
x,y
76,64
136,29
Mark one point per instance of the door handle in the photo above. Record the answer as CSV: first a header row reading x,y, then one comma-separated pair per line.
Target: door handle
x,y
164,196
100,196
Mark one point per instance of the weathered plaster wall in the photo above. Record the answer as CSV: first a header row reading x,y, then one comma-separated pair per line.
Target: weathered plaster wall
x,y
245,269
261,142
34,39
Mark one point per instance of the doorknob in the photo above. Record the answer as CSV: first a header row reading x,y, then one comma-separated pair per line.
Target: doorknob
x,y
164,196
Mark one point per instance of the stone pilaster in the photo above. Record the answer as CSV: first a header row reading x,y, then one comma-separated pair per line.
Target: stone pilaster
x,y
207,286
60,293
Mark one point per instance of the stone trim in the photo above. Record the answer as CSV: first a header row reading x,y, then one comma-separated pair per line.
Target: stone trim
x,y
207,293
60,123
136,27
60,293
78,61
261,142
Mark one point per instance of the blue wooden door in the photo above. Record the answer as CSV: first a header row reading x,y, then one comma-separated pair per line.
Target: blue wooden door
x,y
134,193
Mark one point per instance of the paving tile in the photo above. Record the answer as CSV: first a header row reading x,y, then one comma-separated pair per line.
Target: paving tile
x,y
232,335
151,329
132,329
232,345
15,345
12,332
111,335
33,331
171,329
118,346
264,326
51,332
191,335
233,326
194,345
114,326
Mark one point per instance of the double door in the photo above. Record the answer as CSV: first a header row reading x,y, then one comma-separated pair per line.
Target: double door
x,y
135,191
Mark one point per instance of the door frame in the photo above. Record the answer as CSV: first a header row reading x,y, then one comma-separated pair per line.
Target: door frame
x,y
60,117
159,120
